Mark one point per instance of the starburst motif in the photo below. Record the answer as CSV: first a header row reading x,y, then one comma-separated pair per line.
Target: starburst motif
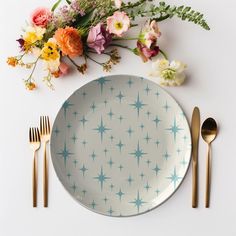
x,y
56,131
120,194
120,96
138,202
166,107
83,121
110,211
93,204
84,94
174,177
83,169
166,156
93,106
74,138
105,199
110,114
75,113
147,138
130,180
66,105
157,121
93,155
156,169
138,153
130,82
138,104
74,187
101,178
65,153
147,186
130,131
110,163
183,162
120,145
148,113
102,81
101,129
174,129
147,89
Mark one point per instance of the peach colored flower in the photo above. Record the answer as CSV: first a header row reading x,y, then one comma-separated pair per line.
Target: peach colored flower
x,y
64,68
41,16
118,23
69,41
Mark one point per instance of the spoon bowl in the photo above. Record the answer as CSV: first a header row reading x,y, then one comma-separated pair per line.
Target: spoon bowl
x,y
209,130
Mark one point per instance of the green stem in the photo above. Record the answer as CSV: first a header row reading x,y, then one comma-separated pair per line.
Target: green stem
x,y
32,72
101,64
121,46
72,61
163,54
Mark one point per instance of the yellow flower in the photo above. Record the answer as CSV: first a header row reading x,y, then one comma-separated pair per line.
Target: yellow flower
x,y
30,85
33,34
12,61
50,51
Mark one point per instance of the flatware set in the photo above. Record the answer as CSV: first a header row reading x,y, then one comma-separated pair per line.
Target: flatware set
x,y
38,137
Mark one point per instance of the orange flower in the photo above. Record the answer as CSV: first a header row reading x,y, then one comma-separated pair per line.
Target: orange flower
x,y
12,61
30,85
69,41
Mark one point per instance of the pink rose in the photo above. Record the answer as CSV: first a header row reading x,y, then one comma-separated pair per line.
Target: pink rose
x,y
41,16
98,38
64,68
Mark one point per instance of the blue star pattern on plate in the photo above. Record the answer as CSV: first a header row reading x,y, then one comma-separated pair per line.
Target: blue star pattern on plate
x,y
120,145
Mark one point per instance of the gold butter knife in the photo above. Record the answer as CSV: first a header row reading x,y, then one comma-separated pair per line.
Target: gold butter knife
x,y
195,130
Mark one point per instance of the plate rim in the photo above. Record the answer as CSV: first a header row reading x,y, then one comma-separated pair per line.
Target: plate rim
x,y
138,213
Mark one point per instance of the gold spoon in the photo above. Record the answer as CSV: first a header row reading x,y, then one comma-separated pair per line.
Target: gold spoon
x,y
209,132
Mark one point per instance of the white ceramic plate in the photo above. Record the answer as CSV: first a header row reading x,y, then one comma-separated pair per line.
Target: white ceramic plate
x,y
120,145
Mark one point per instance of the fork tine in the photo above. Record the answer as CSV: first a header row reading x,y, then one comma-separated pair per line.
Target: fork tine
x,y
38,135
30,134
35,135
44,125
48,125
49,128
41,125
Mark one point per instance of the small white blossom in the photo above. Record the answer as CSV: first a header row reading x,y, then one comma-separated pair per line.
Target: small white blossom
x,y
170,73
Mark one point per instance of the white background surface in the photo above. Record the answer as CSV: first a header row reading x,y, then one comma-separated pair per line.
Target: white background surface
x,y
211,85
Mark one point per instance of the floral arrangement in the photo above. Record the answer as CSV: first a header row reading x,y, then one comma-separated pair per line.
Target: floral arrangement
x,y
84,28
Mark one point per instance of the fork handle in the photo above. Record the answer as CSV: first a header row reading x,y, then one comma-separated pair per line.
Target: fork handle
x,y
34,181
45,178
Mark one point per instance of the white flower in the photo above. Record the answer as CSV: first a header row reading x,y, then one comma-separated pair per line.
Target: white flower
x,y
118,3
52,65
170,73
33,34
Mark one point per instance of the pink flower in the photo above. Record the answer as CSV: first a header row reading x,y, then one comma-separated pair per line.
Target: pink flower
x,y
145,52
98,38
41,16
63,68
149,34
118,23
118,3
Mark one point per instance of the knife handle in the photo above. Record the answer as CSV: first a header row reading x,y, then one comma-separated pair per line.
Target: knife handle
x,y
194,184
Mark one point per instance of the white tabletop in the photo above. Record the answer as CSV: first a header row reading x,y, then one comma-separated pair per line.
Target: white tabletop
x,y
210,56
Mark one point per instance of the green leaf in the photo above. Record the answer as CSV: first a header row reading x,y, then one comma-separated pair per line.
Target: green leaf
x,y
69,2
82,21
55,5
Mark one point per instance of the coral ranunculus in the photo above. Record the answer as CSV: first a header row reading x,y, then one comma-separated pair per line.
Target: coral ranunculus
x,y
69,41
41,16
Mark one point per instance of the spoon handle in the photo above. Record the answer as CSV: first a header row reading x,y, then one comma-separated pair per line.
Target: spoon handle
x,y
208,177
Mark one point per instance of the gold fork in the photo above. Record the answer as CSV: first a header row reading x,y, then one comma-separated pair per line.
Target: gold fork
x,y
34,138
45,136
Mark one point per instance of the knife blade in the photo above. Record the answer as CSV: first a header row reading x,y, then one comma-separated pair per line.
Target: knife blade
x,y
195,130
